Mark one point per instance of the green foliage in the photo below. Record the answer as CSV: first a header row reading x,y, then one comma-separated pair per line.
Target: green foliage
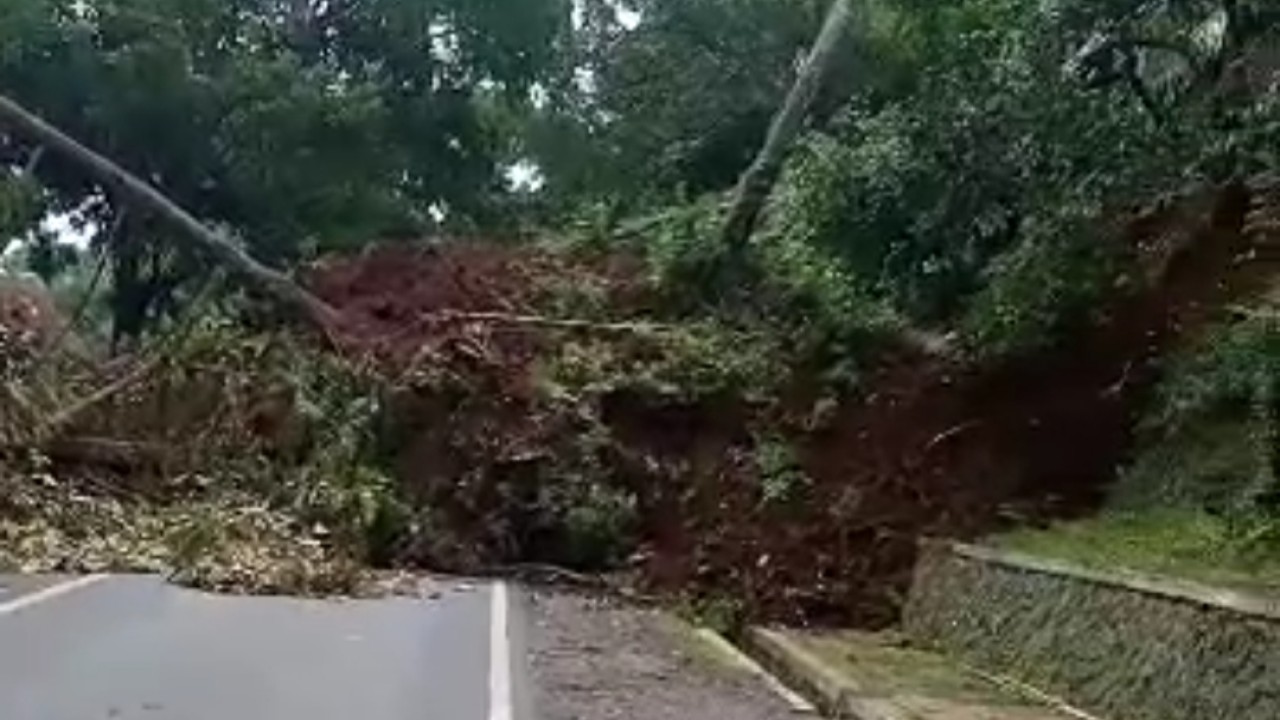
x,y
722,613
1234,367
316,418
688,362
599,525
1210,438
19,208
300,127
978,198
972,189
1202,490
1037,289
781,476
269,443
803,301
226,514
1239,552
676,106
1222,464
682,248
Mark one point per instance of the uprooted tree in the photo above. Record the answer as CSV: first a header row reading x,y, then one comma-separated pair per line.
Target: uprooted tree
x,y
210,243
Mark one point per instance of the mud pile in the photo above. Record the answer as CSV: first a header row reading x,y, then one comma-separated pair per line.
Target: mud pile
x,y
928,446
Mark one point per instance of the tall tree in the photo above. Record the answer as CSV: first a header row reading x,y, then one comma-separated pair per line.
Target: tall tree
x,y
676,104
757,182
301,126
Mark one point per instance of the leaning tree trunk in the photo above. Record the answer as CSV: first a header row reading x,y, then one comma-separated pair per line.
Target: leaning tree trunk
x,y
757,182
207,241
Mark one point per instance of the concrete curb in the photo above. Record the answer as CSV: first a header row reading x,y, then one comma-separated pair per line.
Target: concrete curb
x,y
800,669
733,655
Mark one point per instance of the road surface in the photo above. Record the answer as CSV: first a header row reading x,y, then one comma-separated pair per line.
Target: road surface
x,y
136,648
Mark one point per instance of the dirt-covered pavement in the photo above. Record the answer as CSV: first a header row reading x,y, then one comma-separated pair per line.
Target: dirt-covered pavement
x,y
594,659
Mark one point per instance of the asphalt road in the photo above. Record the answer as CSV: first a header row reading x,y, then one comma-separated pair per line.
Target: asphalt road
x,y
135,648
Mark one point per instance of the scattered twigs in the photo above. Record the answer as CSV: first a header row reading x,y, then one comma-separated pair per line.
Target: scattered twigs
x,y
69,415
956,431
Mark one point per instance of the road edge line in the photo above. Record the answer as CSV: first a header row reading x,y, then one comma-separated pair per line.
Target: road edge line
x,y
49,593
500,697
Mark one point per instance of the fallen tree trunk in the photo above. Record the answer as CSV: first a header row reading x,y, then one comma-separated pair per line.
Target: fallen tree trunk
x,y
757,182
500,318
209,242
123,455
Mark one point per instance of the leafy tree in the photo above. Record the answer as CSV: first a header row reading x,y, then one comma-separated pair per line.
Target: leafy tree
x,y
977,190
677,105
301,126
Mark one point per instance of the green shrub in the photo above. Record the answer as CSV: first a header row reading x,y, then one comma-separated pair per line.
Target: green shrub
x,y
599,526
1054,276
1209,438
781,476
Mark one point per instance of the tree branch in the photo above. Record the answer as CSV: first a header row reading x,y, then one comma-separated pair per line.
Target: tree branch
x,y
144,370
33,161
211,243
546,322
68,416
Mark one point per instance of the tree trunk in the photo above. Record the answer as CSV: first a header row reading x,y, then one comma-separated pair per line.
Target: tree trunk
x,y
757,182
211,243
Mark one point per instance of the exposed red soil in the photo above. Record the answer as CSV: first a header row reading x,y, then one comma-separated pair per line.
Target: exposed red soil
x,y
935,448
931,446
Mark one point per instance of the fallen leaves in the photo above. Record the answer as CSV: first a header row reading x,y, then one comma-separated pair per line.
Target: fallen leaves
x,y
232,543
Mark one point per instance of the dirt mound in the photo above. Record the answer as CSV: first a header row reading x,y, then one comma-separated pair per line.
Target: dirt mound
x,y
506,463
486,451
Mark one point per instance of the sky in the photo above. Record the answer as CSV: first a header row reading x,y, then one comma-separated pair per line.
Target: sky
x,y
65,229
630,19
525,175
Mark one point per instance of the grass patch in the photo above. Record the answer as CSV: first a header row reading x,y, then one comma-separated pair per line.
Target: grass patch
x,y
1194,545
919,684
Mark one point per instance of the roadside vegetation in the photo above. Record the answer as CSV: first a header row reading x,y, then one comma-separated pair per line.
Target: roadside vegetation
x,y
729,299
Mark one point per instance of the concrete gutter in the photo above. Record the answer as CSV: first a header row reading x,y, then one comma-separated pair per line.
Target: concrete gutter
x,y
720,646
836,696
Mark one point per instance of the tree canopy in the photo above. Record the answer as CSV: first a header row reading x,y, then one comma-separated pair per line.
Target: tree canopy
x,y
951,167
301,126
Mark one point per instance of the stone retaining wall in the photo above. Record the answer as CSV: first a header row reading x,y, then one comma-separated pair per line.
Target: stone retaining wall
x,y
1122,645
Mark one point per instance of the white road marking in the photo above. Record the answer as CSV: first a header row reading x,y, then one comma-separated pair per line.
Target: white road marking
x,y
500,707
798,704
49,593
